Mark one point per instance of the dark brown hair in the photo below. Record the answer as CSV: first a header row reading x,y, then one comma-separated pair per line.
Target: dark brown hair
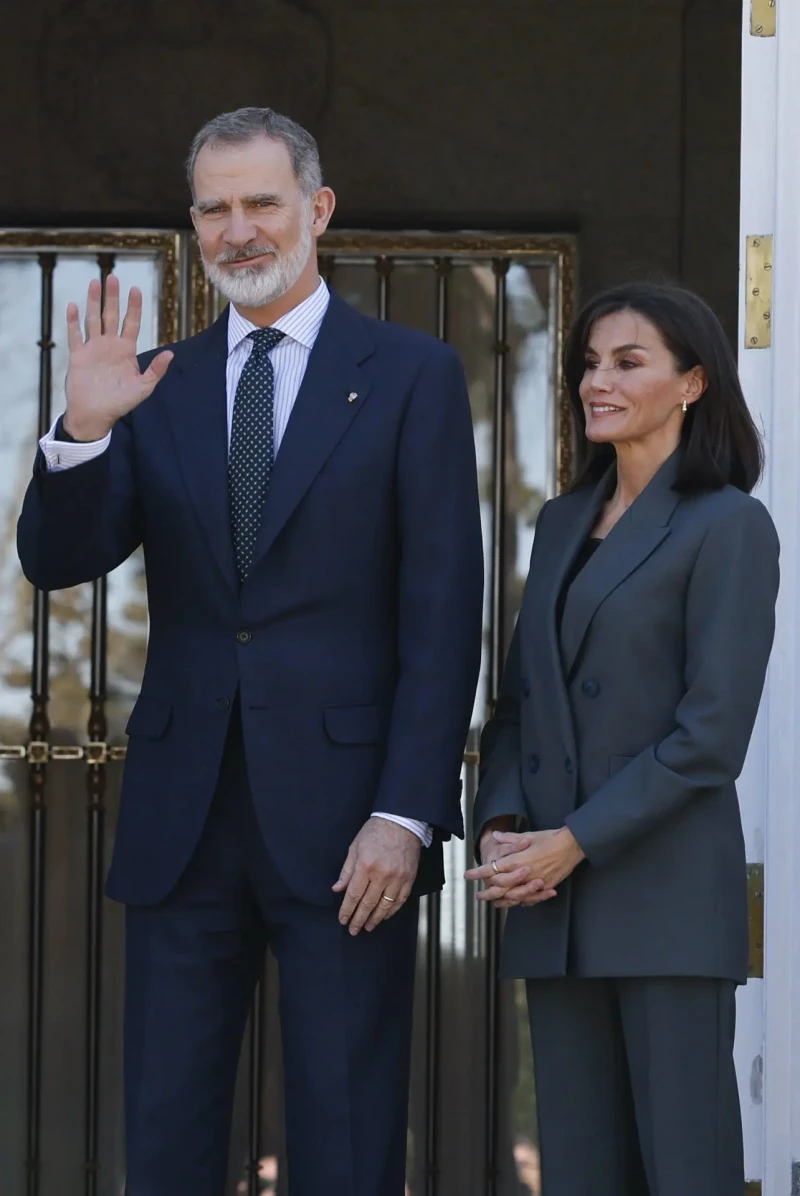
x,y
721,443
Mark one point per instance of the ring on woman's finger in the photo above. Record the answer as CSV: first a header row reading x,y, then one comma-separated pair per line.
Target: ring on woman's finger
x,y
390,900
495,869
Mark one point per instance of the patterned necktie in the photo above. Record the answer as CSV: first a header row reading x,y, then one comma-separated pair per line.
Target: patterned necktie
x,y
252,448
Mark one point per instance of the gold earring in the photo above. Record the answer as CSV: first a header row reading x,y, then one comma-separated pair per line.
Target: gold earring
x,y
685,407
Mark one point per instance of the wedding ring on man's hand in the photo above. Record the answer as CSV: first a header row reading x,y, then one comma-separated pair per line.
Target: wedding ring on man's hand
x,y
495,869
391,900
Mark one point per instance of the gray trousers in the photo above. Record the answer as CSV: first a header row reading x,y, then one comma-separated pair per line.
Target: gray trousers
x,y
636,1087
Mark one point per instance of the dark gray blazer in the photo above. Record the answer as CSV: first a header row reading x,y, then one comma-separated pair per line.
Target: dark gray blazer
x,y
632,727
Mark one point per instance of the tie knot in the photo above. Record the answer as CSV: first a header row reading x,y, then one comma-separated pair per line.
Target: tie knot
x,y
265,339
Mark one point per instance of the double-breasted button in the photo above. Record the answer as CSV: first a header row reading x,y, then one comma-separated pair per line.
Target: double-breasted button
x,y
569,767
244,636
591,688
526,687
223,704
533,763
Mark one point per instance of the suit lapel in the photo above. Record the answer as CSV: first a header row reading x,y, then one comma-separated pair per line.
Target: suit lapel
x,y
632,540
197,412
578,513
333,391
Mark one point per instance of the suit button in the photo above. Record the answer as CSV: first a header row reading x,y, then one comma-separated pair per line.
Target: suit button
x,y
244,637
526,688
568,766
591,688
533,763
223,704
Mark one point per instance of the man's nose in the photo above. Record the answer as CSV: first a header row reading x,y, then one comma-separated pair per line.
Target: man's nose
x,y
240,229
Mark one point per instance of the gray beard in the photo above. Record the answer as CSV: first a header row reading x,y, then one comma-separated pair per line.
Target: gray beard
x,y
262,284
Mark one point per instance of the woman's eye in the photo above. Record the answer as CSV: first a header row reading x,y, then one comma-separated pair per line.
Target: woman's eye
x,y
627,364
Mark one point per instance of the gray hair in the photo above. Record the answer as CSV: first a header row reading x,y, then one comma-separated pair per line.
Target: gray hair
x,y
235,128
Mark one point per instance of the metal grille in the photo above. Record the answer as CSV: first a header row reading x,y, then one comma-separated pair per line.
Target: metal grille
x,y
504,303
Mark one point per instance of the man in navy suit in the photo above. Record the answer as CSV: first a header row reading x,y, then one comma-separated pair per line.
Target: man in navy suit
x,y
303,481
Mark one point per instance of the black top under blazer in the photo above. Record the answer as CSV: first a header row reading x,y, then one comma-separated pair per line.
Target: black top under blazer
x,y
631,727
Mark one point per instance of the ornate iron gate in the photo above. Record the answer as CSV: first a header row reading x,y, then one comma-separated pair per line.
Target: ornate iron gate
x,y
71,664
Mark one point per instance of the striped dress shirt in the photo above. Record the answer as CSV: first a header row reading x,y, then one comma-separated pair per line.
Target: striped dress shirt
x,y
300,327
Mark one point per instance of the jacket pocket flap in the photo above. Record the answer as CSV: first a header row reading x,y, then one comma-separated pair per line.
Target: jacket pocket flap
x,y
356,724
149,718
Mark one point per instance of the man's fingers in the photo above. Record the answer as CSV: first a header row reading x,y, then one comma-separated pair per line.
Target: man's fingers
x,y
366,906
94,298
356,889
405,893
74,334
156,370
133,316
346,874
111,306
384,909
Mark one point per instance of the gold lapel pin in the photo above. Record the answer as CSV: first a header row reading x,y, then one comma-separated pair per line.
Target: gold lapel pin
x,y
351,398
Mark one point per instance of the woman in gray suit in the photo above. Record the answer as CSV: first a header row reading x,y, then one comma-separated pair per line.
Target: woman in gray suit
x,y
607,818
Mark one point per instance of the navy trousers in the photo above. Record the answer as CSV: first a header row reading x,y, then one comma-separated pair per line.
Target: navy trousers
x,y
345,1006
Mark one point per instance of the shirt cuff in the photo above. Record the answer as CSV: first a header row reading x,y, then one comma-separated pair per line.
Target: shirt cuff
x,y
420,829
64,454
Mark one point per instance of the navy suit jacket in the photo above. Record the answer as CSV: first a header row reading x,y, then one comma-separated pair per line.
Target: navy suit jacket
x,y
354,644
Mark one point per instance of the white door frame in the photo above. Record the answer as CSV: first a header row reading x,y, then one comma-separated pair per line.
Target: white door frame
x,y
768,1042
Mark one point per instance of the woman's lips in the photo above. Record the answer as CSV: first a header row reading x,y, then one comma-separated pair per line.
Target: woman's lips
x,y
603,409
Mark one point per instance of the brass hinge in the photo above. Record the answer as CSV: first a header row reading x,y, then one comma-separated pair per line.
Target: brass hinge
x,y
763,15
755,918
758,293
39,752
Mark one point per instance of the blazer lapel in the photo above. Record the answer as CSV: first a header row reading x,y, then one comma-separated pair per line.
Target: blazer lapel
x,y
332,393
578,513
632,540
197,411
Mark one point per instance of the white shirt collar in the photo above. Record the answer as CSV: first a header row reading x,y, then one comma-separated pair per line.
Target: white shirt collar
x,y
301,324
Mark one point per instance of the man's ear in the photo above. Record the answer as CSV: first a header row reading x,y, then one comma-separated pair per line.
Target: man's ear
x,y
322,208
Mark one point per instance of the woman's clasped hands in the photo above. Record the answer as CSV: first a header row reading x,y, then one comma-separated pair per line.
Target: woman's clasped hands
x,y
523,868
